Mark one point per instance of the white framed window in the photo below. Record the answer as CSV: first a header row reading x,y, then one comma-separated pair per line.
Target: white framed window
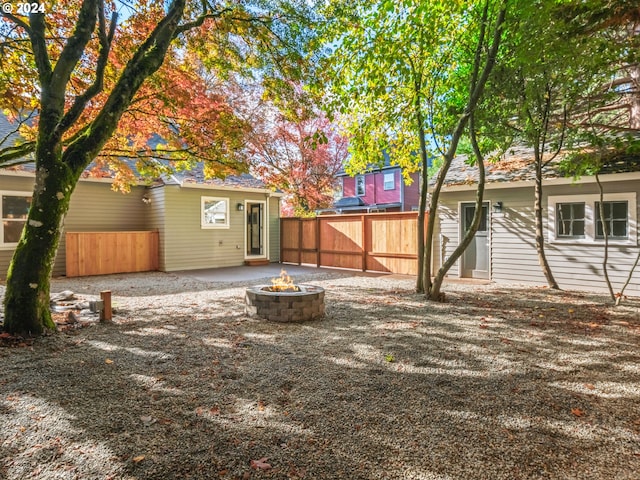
x,y
14,208
576,219
570,220
390,181
214,212
360,185
616,220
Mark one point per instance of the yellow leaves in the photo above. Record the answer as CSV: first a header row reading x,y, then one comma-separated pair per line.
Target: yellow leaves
x,y
137,459
108,361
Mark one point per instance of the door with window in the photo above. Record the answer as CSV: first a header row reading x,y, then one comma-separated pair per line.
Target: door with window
x,y
475,259
255,229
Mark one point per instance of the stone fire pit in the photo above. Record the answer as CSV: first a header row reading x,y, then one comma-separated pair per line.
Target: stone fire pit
x,y
298,303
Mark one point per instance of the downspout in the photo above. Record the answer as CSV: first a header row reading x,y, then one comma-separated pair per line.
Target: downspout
x,y
267,220
402,205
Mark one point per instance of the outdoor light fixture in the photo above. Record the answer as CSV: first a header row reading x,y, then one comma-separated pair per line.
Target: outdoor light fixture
x,y
497,207
146,199
240,207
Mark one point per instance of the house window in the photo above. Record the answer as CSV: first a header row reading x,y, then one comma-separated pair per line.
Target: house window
x,y
215,212
389,181
15,208
576,219
340,190
360,190
570,220
615,219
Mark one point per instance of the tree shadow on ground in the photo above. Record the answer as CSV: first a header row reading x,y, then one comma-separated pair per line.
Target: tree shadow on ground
x,y
496,383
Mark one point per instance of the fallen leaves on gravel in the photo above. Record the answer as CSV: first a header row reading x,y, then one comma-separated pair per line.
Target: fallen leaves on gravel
x,y
578,412
260,464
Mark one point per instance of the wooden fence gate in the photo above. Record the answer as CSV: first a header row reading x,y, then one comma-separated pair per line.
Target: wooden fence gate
x,y
380,242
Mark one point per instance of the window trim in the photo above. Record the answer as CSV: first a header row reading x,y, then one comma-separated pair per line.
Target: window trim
x,y
10,193
364,186
340,188
590,219
207,226
597,214
583,219
393,181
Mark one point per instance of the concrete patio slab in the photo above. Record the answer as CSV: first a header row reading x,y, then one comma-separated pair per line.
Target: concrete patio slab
x,y
253,273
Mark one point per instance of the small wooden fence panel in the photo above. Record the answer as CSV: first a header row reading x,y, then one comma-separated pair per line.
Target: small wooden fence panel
x,y
381,242
102,253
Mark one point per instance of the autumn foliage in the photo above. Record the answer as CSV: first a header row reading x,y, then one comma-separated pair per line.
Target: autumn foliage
x,y
179,115
301,158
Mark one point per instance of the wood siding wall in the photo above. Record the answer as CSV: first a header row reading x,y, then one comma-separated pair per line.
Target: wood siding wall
x,y
93,207
512,244
102,253
274,229
185,245
382,242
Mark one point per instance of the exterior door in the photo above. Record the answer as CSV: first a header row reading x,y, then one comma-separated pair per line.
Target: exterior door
x,y
255,229
475,259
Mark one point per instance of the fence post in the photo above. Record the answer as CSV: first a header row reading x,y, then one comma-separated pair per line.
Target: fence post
x,y
364,242
106,312
318,239
299,241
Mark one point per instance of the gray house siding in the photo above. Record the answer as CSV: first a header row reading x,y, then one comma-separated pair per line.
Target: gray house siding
x,y
512,244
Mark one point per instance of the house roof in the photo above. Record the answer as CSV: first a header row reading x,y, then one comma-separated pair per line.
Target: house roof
x,y
196,176
516,165
193,177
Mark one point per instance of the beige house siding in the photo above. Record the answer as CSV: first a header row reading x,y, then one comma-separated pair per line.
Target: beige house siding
x,y
173,211
155,220
113,211
94,207
274,229
185,245
512,244
11,183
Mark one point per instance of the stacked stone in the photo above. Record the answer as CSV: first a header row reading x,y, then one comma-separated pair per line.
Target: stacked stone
x,y
308,304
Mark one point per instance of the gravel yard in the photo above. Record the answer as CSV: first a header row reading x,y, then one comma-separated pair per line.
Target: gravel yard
x,y
497,383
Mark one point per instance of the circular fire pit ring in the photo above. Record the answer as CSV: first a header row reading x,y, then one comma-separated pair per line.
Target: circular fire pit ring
x,y
307,303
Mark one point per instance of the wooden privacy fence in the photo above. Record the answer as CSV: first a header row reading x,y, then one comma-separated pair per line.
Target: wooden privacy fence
x,y
381,242
102,253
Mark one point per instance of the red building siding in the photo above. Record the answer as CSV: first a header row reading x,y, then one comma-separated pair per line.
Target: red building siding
x,y
375,194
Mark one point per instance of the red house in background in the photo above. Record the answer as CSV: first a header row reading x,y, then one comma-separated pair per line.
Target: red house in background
x,y
380,189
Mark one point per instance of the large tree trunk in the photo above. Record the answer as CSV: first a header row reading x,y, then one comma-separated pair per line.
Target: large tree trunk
x,y
58,169
27,310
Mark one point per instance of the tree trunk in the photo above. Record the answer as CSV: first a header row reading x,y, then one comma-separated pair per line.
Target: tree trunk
x,y
27,310
537,207
58,170
422,209
434,293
